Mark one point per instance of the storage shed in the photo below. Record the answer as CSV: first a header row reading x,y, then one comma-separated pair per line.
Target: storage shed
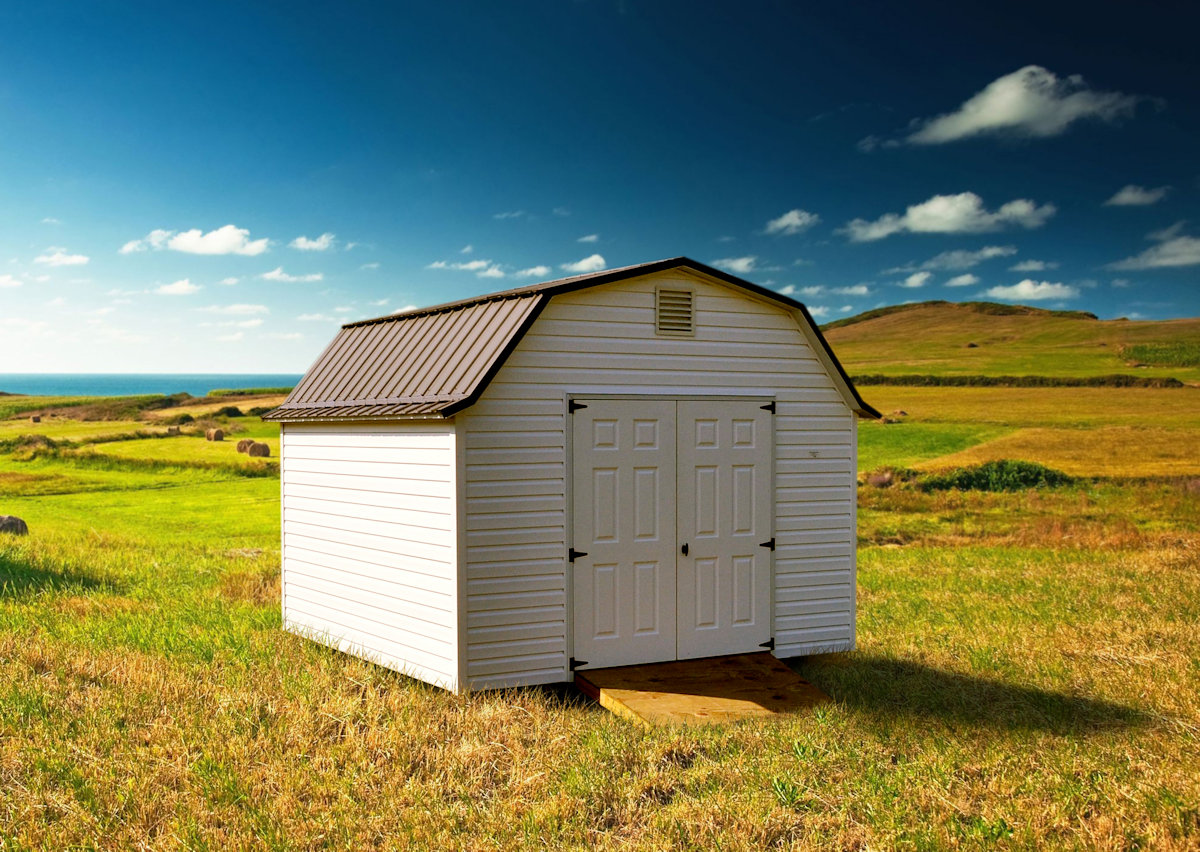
x,y
644,464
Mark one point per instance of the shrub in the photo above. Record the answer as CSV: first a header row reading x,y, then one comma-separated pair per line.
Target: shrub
x,y
178,419
1002,475
228,411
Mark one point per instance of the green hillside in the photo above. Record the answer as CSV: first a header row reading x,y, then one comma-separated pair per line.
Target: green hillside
x,y
983,338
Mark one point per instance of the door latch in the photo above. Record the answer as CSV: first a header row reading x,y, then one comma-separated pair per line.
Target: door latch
x,y
684,549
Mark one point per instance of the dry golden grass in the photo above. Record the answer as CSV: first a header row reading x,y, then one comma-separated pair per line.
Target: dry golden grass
x,y
207,409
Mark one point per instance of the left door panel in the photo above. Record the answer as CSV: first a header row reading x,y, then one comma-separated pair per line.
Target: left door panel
x,y
624,521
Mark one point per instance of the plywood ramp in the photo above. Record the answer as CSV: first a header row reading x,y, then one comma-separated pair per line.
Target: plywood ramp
x,y
701,692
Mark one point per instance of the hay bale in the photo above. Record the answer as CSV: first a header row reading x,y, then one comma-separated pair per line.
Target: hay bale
x,y
259,451
214,435
13,525
244,444
37,418
881,479
173,430
899,412
972,345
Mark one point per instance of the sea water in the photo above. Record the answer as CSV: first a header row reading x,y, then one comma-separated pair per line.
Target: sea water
x,y
136,384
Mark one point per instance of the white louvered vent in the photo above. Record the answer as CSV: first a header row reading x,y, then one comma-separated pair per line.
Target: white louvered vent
x,y
673,312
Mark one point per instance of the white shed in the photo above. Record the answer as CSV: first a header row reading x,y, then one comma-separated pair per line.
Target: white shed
x,y
645,464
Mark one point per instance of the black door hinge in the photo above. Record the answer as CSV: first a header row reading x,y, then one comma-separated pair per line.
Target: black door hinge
x,y
769,645
770,406
575,664
574,554
573,406
769,545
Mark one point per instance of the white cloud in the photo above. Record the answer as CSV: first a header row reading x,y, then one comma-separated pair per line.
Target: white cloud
x,y
55,256
492,271
250,323
1120,282
321,243
964,280
1137,196
467,249
740,265
793,222
845,309
317,318
277,274
509,214
963,259
591,263
231,338
481,268
814,290
963,213
369,266
1174,249
56,302
182,287
856,290
818,311
228,239
1031,102
1034,265
50,220
7,280
229,282
405,309
378,303
561,211
239,309
343,309
1033,291
787,290
539,271
917,279
590,238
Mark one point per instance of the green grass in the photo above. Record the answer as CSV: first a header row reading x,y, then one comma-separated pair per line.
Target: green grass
x,y
1027,676
1180,354
936,338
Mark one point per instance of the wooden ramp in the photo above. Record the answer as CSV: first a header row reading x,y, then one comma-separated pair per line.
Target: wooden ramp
x,y
700,692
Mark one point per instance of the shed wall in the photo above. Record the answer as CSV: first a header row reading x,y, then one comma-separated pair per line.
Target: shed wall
x,y
369,542
602,340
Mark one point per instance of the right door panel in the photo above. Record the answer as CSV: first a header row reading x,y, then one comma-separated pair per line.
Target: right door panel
x,y
724,514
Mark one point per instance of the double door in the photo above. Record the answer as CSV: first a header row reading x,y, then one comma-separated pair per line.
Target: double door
x,y
672,518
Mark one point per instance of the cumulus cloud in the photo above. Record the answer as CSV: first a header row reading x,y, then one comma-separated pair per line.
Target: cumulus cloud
x,y
812,290
589,238
855,290
591,263
964,280
539,271
321,243
228,239
369,266
1033,291
793,222
482,268
1032,265
277,274
963,259
182,287
917,279
1137,196
236,310
467,249
231,338
1031,102
50,220
787,290
740,265
229,282
405,309
55,256
1174,249
7,280
963,213
818,311
509,214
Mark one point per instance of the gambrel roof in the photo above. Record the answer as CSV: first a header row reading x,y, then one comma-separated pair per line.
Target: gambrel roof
x,y
436,361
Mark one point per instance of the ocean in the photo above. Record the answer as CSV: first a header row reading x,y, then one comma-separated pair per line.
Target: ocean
x,y
134,384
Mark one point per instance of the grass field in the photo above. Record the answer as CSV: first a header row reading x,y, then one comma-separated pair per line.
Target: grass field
x,y
936,339
1027,676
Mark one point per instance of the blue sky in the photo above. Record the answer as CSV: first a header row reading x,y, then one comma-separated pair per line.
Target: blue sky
x,y
214,187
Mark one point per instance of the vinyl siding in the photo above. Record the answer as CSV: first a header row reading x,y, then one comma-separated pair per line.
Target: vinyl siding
x,y
602,340
369,542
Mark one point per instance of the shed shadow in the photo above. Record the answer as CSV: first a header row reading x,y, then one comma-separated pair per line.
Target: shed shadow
x,y
885,686
22,578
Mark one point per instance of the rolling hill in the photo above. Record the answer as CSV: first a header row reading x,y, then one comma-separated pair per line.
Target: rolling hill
x,y
984,338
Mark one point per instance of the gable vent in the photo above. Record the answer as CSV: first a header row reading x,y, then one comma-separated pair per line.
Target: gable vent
x,y
673,312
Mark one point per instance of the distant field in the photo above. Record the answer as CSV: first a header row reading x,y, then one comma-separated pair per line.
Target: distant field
x,y
935,339
194,448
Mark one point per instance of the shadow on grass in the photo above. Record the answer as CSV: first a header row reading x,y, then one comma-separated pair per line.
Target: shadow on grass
x,y
884,687
22,578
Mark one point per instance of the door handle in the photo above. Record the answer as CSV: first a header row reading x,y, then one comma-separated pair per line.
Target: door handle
x,y
684,549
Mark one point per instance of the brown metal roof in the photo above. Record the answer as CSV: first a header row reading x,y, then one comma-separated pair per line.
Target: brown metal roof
x,y
435,361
